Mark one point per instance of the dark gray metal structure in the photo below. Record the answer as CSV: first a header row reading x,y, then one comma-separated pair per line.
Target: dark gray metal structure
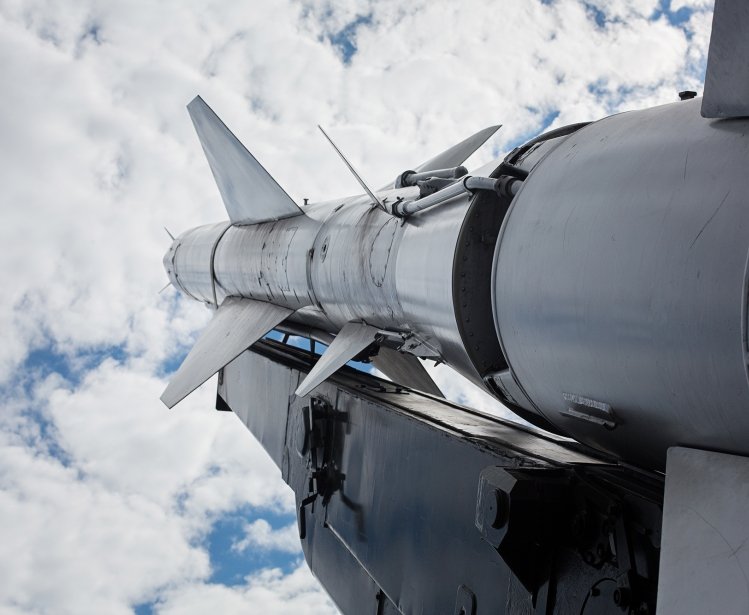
x,y
411,504
594,280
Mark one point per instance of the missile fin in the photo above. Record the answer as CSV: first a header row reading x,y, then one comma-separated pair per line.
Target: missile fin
x,y
405,369
727,75
350,341
458,153
237,324
249,192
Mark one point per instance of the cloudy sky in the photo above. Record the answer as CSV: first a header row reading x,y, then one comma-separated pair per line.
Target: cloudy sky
x,y
109,503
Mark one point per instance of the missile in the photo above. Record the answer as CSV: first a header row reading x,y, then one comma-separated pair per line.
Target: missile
x,y
594,280
349,269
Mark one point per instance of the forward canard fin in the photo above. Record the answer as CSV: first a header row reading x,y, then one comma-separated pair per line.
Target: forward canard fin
x,y
458,153
455,155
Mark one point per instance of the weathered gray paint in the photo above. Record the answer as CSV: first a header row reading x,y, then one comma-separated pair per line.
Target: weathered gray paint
x,y
704,564
620,276
727,74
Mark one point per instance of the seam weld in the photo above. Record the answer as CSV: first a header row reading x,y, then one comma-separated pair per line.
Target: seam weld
x,y
212,263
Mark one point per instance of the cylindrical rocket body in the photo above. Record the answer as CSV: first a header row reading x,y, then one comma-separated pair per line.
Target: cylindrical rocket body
x,y
342,261
620,279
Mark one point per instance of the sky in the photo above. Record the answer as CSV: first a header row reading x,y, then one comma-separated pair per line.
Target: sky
x,y
109,502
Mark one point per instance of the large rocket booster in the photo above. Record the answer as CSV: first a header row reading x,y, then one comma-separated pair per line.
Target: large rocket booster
x,y
593,280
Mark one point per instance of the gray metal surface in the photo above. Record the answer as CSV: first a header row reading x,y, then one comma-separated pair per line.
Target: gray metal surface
x,y
235,326
259,393
342,261
727,74
405,369
620,277
386,484
705,539
249,193
350,341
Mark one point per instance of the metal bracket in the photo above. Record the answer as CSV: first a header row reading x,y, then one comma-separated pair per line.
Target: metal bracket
x,y
518,512
320,421
590,410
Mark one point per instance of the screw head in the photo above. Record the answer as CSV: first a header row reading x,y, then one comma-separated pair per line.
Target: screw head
x,y
621,596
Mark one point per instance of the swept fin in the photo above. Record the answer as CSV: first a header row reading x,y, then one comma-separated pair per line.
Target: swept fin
x,y
405,369
458,153
358,178
350,341
249,192
236,325
727,76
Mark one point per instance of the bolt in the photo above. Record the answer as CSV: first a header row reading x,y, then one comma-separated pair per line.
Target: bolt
x,y
496,510
621,596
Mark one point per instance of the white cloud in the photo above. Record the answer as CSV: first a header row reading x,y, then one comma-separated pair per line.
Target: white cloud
x,y
269,591
116,512
695,5
72,547
260,535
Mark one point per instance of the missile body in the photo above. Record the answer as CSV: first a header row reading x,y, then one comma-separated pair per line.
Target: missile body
x,y
607,300
343,261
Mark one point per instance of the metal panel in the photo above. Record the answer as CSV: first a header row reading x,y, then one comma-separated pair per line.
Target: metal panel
x,y
727,75
705,538
188,262
350,341
249,193
237,324
258,391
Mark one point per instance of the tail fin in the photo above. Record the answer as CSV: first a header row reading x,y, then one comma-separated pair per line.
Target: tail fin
x,y
350,341
249,192
236,326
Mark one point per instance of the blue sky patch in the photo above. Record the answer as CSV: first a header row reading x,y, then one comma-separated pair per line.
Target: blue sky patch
x,y
230,566
46,360
144,609
675,18
345,39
